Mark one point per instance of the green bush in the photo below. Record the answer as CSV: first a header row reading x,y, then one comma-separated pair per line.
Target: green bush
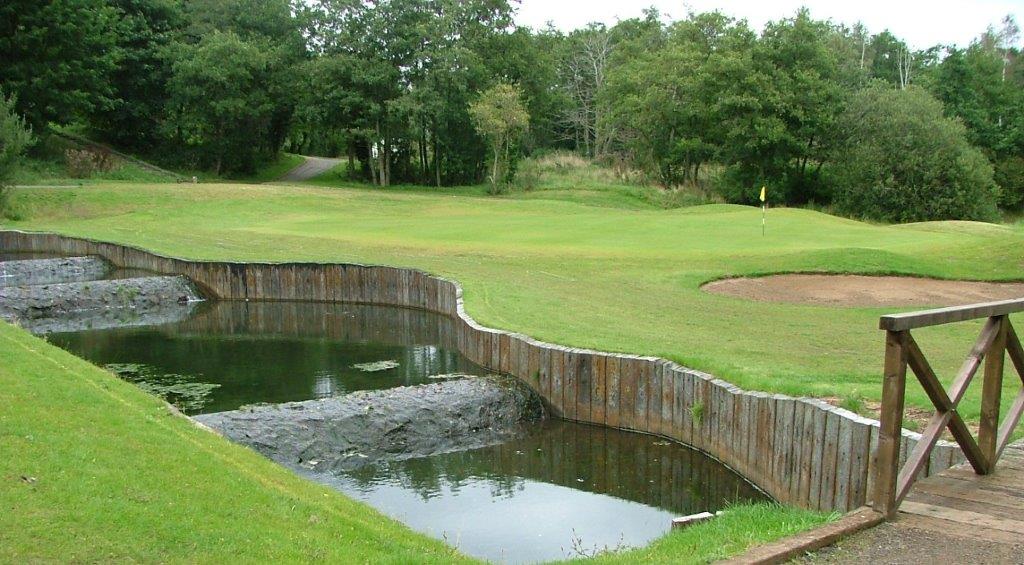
x,y
84,163
901,160
1009,175
15,138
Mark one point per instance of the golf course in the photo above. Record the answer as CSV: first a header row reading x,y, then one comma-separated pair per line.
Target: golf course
x,y
607,270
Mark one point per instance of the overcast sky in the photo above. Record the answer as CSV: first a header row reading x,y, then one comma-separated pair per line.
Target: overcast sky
x,y
922,23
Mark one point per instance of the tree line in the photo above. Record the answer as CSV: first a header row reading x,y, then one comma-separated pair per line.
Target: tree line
x,y
448,92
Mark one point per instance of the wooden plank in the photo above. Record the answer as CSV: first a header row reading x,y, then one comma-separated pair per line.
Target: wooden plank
x,y
654,394
845,464
599,389
689,400
628,374
789,548
782,448
894,384
860,462
796,461
557,360
643,384
965,501
964,517
743,431
765,443
613,413
1008,479
544,370
911,320
808,454
584,385
970,489
991,394
956,531
677,379
668,398
829,458
570,379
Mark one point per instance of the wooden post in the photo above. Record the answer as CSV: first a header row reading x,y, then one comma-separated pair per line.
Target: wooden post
x,y
988,429
894,385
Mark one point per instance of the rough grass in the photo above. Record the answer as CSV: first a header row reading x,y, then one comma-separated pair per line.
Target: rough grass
x,y
613,279
53,172
737,529
561,176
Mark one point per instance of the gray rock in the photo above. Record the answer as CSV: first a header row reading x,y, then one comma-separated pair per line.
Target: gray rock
x,y
50,271
346,432
141,315
23,303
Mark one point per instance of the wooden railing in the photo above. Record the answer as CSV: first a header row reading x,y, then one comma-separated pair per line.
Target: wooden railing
x,y
997,338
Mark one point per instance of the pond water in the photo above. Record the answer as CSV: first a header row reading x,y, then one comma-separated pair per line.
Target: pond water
x,y
560,490
273,352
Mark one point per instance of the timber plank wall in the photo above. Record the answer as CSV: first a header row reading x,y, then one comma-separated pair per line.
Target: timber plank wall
x,y
801,451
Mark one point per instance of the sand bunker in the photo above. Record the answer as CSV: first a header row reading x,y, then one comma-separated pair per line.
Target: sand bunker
x,y
864,291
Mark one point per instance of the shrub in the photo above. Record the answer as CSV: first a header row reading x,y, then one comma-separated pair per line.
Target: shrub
x,y
1009,175
83,163
901,160
528,175
15,138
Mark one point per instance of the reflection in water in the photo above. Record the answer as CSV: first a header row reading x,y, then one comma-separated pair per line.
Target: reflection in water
x,y
535,498
562,488
273,352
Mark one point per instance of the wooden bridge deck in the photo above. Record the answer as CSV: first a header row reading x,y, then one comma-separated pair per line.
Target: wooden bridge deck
x,y
957,501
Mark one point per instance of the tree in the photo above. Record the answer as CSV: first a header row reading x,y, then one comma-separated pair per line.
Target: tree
x,y
15,138
777,108
145,31
500,117
222,104
901,160
975,85
584,71
665,84
58,56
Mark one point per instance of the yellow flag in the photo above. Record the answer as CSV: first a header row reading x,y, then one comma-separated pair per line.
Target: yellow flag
x,y
763,193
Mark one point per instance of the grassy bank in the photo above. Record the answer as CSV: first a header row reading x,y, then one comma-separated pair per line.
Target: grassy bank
x,y
93,469
589,276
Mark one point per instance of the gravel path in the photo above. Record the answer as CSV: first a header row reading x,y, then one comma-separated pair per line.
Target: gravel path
x,y
314,166
912,541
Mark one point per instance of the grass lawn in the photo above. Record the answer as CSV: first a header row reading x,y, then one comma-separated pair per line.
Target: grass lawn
x,y
617,279
94,469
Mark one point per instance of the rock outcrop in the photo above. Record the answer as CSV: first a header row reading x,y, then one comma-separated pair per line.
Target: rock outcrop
x,y
346,432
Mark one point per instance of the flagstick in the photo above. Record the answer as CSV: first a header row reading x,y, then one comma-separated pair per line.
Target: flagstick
x,y
764,211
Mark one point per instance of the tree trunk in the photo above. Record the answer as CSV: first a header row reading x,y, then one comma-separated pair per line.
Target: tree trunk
x,y
437,157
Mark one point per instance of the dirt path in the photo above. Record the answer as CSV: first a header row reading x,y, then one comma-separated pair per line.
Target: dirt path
x,y
864,291
313,166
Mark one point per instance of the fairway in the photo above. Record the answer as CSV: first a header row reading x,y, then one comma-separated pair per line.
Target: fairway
x,y
615,279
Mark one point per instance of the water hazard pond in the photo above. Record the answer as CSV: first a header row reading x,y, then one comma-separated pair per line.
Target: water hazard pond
x,y
558,490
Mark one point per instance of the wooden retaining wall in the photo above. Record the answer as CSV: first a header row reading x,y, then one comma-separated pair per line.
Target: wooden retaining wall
x,y
801,451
